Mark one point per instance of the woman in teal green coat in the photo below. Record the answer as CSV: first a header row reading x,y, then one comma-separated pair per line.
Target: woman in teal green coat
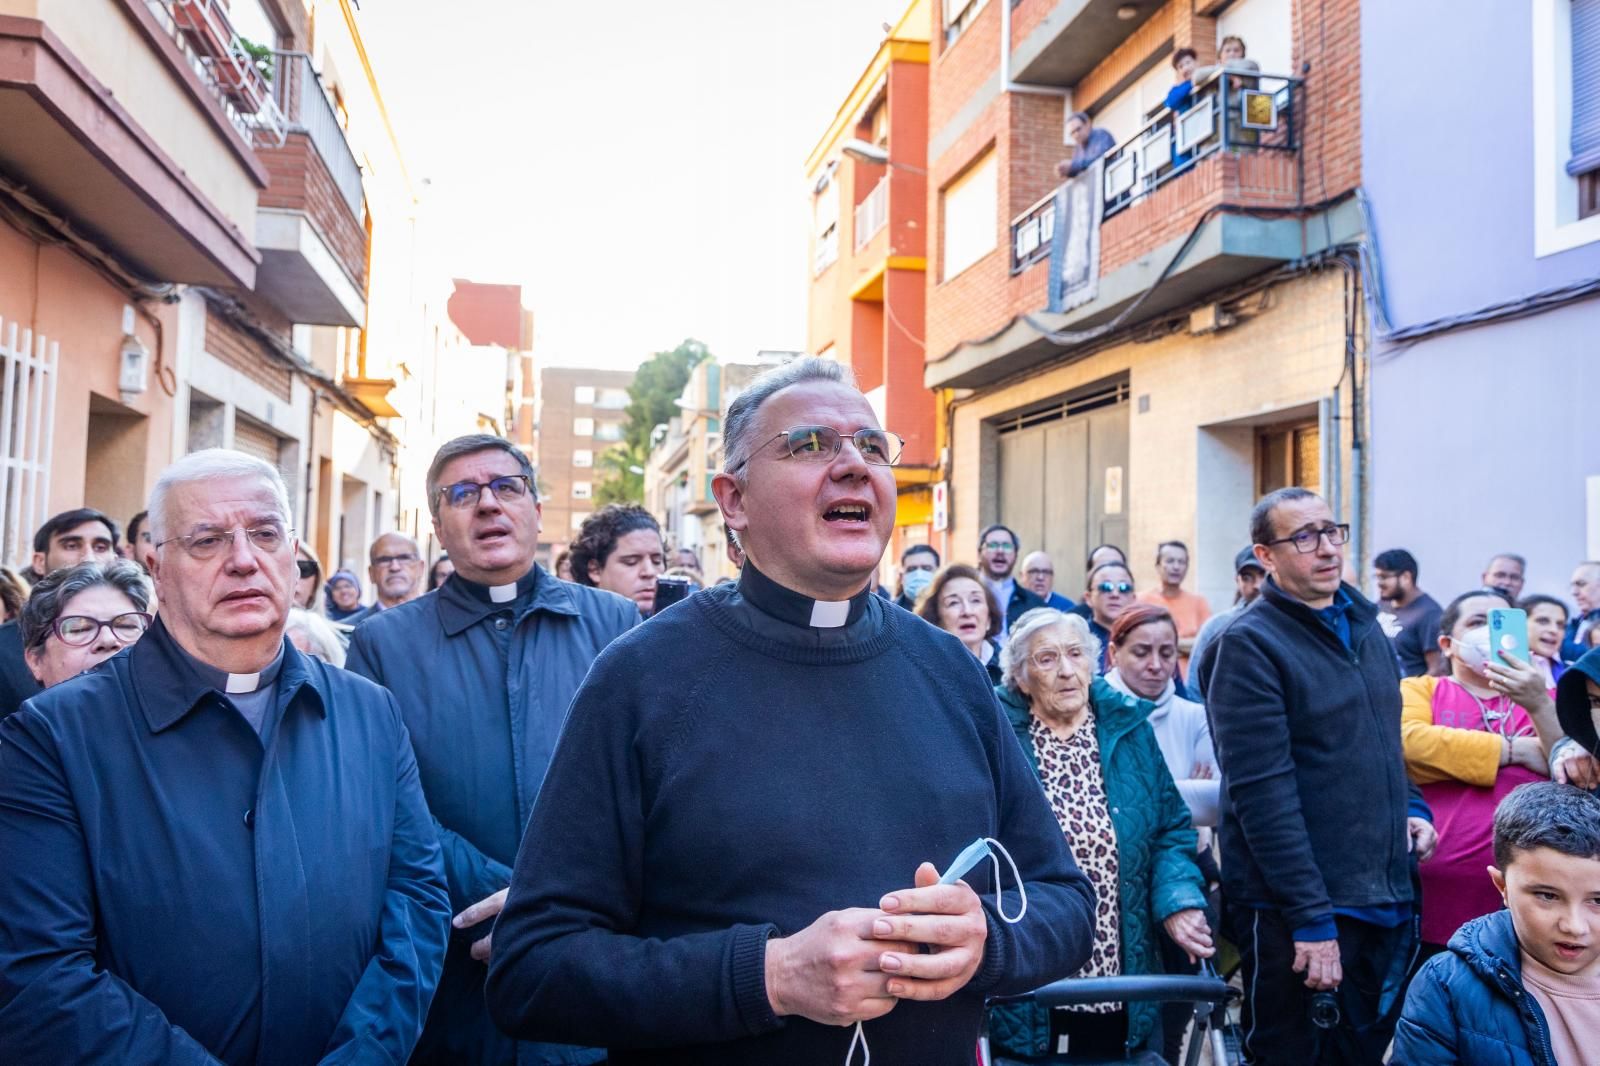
x,y
1125,822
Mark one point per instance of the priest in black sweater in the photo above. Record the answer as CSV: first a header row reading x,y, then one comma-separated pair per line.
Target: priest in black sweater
x,y
735,854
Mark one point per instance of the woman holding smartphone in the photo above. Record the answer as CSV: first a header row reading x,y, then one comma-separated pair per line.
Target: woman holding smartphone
x,y
1470,738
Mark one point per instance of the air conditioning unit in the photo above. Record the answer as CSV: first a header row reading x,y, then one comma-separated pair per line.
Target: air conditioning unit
x,y
1210,319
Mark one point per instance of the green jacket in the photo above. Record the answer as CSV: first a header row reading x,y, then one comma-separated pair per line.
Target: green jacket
x,y
1155,854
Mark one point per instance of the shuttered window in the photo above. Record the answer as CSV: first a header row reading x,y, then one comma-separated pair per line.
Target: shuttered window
x,y
1585,87
252,438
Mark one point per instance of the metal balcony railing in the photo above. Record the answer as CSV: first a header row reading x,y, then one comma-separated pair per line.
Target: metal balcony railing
x,y
1229,111
233,77
872,214
307,109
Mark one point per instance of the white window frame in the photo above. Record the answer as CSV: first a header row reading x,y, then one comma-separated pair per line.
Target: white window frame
x,y
983,179
578,519
1556,225
583,395
583,490
825,221
958,15
583,458
583,426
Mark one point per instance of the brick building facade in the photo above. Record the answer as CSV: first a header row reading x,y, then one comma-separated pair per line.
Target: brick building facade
x,y
1210,360
580,415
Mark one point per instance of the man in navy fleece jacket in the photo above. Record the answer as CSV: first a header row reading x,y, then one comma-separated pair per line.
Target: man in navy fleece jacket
x,y
732,859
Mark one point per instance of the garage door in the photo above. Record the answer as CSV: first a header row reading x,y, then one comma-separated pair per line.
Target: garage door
x,y
1064,478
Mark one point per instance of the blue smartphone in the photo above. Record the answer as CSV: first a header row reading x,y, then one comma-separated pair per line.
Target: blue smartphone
x,y
1508,633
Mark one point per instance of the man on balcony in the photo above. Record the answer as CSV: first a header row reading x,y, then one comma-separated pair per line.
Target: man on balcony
x,y
1089,141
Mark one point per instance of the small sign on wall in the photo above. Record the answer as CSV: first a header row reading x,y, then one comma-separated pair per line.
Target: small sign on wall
x,y
1113,490
941,506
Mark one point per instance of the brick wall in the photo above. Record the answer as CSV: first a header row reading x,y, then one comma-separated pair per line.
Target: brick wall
x,y
299,180
239,350
1025,131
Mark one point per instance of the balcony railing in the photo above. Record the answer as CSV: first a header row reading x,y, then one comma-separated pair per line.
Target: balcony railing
x,y
305,106
1230,111
872,214
231,74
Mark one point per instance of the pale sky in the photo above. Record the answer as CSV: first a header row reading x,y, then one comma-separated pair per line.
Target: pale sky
x,y
637,166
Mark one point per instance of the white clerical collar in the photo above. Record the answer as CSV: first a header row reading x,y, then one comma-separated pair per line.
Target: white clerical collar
x,y
239,683
503,593
829,614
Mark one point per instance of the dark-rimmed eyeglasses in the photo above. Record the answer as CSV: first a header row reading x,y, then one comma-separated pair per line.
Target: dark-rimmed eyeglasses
x,y
1306,541
821,444
306,567
403,559
80,630
1114,586
202,546
464,494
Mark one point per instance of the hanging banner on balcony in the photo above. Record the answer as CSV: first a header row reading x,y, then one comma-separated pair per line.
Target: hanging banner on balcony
x,y
1075,245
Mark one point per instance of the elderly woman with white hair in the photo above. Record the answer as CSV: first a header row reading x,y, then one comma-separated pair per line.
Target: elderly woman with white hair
x,y
1127,825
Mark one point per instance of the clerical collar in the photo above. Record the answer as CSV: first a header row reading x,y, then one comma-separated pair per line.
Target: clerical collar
x,y
236,684
789,606
498,594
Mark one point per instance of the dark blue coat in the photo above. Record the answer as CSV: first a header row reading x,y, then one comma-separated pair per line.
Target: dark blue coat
x,y
1468,1006
173,891
484,688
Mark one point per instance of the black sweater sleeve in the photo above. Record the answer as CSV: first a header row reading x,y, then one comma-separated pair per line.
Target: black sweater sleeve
x,y
565,966
1055,935
1250,727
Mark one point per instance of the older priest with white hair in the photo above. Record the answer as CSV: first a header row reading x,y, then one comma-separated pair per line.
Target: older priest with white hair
x,y
735,853
215,848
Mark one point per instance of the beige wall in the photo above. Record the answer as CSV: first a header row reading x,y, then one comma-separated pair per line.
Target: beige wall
x,y
1187,451
100,35
59,296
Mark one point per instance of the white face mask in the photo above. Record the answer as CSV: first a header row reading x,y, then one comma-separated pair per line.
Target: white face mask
x,y
1473,648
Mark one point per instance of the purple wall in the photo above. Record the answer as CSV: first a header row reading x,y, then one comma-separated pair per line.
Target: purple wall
x,y
1481,439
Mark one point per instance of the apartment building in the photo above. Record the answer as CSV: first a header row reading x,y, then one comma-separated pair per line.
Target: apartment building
x,y
867,177
206,239
686,453
580,415
1137,353
1486,349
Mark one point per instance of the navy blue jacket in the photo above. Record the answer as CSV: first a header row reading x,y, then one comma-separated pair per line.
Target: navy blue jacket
x,y
484,688
1468,1006
1314,788
17,682
173,891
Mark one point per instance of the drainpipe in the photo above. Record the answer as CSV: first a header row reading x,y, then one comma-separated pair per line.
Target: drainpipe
x,y
1006,84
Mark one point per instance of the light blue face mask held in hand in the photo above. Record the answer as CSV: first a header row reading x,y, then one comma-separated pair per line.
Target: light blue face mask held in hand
x,y
971,855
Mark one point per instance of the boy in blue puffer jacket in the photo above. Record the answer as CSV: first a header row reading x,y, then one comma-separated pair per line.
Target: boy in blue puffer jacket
x,y
1521,986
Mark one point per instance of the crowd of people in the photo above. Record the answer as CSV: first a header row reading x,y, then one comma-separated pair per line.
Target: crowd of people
x,y
494,816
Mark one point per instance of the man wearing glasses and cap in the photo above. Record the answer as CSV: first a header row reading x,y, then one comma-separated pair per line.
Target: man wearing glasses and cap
x,y
215,847
1320,824
732,859
483,671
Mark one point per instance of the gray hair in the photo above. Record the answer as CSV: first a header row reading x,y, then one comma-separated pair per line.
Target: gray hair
x,y
1014,656
55,590
471,444
206,465
740,427
408,538
325,642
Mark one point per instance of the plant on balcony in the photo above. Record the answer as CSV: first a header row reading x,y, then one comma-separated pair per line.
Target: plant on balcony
x,y
259,56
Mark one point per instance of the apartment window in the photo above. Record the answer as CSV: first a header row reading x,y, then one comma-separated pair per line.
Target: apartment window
x,y
583,427
578,518
1566,124
958,15
582,457
825,215
611,399
608,431
583,490
971,206
583,395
